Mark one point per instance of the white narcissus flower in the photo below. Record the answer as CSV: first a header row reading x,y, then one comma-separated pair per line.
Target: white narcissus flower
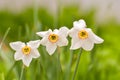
x,y
25,52
83,37
52,39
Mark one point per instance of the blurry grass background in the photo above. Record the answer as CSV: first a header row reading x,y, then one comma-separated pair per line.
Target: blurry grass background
x,y
102,63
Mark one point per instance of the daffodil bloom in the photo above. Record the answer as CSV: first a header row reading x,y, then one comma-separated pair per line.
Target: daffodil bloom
x,y
25,52
83,37
52,39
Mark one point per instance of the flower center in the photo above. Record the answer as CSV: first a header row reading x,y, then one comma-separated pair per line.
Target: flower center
x,y
26,50
53,38
82,34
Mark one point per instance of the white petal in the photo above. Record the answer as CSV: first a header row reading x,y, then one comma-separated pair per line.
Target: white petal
x,y
44,33
55,31
34,53
18,55
73,33
17,45
62,41
44,40
79,24
34,44
75,43
41,34
63,31
51,47
26,60
94,37
87,44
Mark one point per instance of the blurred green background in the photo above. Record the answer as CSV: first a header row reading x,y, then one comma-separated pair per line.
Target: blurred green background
x,y
102,63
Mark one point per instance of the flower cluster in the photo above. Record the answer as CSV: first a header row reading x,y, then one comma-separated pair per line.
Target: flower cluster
x,y
82,37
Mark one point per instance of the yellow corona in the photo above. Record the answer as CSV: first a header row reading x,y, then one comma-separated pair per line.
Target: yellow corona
x,y
82,34
53,38
26,50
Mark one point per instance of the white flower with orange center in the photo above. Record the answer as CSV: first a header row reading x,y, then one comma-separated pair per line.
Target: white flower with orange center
x,y
52,39
25,52
83,37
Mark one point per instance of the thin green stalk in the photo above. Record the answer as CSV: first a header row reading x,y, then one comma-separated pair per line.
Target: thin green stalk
x,y
38,68
43,72
35,12
37,25
77,64
6,33
10,70
19,32
59,65
69,66
22,71
58,12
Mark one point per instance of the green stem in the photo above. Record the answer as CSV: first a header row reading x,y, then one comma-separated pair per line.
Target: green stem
x,y
10,70
77,64
35,12
69,66
6,33
22,71
59,65
58,12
